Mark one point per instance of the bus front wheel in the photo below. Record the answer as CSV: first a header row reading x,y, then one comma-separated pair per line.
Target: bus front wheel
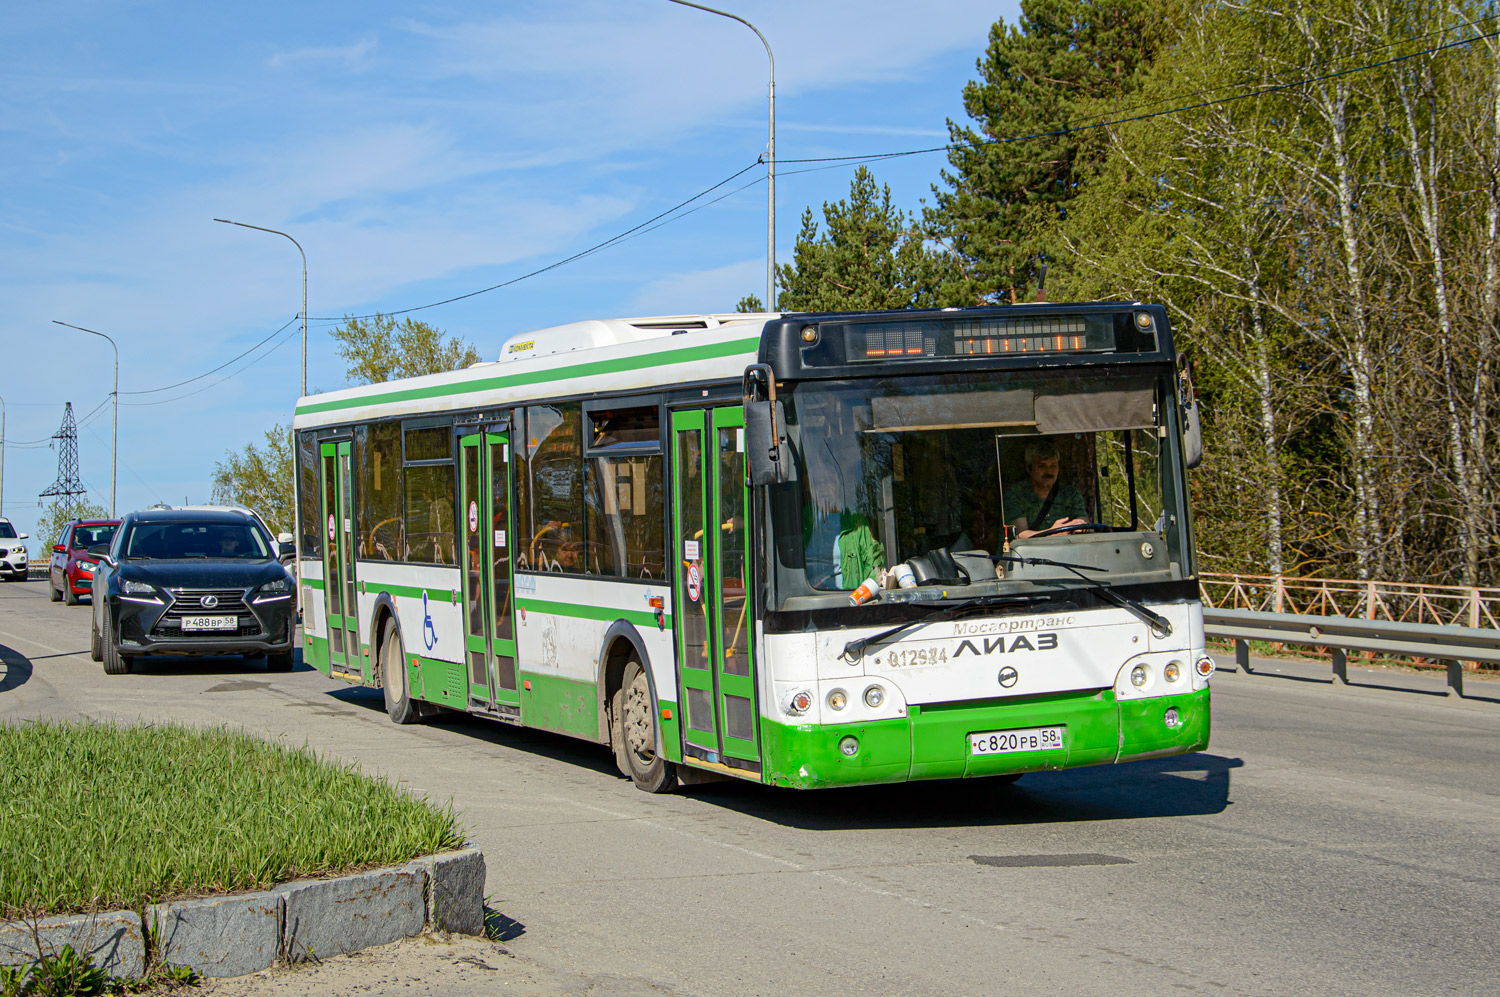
x,y
648,770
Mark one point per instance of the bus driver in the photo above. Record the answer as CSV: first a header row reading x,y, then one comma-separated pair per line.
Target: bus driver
x,y
1028,503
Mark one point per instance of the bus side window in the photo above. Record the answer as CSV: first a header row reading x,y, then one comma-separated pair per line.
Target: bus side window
x,y
379,494
308,513
556,477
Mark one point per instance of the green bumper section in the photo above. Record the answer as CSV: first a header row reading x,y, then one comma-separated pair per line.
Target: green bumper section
x,y
933,742
1144,732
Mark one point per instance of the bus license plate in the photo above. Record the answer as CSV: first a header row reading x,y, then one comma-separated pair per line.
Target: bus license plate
x,y
998,742
209,623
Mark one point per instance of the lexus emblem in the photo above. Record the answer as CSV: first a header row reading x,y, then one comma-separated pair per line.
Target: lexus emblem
x,y
1008,676
210,601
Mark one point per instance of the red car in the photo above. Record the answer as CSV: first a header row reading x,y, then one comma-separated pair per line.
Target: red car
x,y
71,573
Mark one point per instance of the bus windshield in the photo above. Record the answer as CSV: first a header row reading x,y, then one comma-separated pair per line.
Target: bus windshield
x,y
930,472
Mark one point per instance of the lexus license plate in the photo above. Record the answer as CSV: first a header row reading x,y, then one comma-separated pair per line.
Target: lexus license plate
x,y
197,623
999,742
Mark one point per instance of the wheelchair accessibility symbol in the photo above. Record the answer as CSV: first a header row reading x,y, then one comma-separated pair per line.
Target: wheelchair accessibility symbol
x,y
429,632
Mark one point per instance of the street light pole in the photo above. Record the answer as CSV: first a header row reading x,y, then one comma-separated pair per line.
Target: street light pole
x,y
114,443
770,152
2,456
294,242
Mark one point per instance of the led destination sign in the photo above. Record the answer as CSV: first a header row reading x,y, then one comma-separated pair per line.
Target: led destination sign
x,y
976,337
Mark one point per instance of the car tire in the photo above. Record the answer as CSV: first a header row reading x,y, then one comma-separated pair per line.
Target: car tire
x,y
96,647
115,663
52,590
649,771
398,704
279,661
69,598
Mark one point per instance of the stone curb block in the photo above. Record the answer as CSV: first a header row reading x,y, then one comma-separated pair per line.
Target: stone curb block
x,y
455,890
334,916
219,936
296,922
112,941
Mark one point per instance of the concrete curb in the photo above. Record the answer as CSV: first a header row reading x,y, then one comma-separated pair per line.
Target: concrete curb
x,y
295,922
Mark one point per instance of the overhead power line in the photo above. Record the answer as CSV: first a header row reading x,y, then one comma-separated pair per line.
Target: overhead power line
x,y
214,384
562,262
226,363
1247,95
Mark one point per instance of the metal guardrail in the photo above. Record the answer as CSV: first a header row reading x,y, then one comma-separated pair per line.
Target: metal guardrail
x,y
1342,634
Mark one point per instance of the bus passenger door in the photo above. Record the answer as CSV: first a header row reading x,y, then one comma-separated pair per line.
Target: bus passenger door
x,y
489,624
710,587
344,658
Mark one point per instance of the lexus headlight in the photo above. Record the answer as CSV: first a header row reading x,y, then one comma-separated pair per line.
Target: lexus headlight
x,y
278,586
131,587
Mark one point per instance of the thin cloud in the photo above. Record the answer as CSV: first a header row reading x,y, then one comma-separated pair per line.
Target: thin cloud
x,y
355,58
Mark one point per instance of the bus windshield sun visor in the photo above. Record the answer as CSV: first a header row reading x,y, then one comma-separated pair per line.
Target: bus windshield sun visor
x,y
1097,411
1083,412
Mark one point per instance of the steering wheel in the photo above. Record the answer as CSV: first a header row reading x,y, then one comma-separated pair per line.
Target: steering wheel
x,y
1097,527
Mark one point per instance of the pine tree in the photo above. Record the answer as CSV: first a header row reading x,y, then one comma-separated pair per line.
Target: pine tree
x,y
869,258
1002,204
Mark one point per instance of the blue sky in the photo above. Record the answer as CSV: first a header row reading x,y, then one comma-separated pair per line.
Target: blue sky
x,y
417,152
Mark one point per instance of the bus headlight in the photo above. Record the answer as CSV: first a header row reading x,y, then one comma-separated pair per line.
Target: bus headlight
x,y
1138,676
1172,672
799,703
849,745
1205,666
874,696
838,699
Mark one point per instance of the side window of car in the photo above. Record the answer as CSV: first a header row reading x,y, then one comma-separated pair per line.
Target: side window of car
x,y
66,537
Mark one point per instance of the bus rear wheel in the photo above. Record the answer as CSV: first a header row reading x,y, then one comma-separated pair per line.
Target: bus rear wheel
x,y
648,770
398,704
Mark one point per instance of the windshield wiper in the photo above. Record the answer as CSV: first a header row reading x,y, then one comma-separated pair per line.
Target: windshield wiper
x,y
1156,621
855,648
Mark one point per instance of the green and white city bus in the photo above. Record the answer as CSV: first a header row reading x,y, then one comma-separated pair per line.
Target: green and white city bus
x,y
806,550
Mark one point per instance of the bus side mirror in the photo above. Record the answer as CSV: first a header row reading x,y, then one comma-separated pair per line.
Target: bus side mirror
x,y
765,443
1192,434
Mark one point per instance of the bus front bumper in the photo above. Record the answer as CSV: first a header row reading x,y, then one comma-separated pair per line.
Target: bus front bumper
x,y
933,741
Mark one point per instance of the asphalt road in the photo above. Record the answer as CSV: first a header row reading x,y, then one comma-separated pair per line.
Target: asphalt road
x,y
1330,841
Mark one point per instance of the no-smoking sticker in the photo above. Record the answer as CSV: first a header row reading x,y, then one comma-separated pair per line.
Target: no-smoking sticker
x,y
473,516
694,583
333,528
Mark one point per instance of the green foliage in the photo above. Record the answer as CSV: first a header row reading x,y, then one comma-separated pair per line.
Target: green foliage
x,y
14,980
55,516
104,816
67,974
381,349
870,258
260,478
1001,207
750,303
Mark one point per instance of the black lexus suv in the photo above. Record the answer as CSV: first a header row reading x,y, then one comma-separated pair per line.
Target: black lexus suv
x,y
178,581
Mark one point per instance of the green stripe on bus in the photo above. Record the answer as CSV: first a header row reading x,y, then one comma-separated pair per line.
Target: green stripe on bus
x,y
640,617
710,351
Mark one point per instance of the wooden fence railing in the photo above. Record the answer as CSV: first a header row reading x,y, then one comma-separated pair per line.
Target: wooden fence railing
x,y
1403,602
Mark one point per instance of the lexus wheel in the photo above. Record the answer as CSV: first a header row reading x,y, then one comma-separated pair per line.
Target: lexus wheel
x,y
115,663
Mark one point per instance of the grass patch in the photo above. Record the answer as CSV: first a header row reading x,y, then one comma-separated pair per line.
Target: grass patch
x,y
105,817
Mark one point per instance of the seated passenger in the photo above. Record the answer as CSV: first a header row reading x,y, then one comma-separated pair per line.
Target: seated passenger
x,y
842,550
1042,499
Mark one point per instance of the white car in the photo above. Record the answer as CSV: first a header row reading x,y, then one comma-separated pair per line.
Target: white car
x,y
13,557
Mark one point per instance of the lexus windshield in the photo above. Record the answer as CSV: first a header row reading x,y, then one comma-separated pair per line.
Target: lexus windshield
x,y
946,481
